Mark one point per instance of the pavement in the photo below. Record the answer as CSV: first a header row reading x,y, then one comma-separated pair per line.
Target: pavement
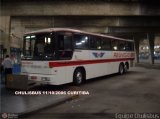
x,y
148,66
24,104
136,92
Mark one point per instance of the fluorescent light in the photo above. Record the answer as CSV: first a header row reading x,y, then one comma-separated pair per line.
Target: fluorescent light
x,y
79,43
115,47
49,40
83,41
33,36
28,37
45,40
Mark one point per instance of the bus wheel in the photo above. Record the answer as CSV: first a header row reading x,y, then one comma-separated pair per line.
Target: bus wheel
x,y
125,68
78,77
121,68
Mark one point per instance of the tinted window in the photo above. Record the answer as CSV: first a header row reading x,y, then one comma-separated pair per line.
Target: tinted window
x,y
114,44
129,46
121,45
81,41
39,46
65,42
95,43
64,45
106,44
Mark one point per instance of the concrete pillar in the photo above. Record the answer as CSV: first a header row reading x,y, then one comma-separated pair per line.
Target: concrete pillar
x,y
151,39
136,45
1,36
5,26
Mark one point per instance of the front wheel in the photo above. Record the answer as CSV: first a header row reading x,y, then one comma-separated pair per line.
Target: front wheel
x,y
78,77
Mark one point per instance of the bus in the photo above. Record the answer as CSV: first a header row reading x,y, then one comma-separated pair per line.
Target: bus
x,y
58,56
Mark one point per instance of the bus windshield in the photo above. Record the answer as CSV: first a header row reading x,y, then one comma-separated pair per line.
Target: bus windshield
x,y
39,46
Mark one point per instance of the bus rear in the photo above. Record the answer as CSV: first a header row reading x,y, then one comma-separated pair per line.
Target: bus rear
x,y
40,49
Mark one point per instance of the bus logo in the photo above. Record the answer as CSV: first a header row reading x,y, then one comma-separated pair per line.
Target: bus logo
x,y
98,55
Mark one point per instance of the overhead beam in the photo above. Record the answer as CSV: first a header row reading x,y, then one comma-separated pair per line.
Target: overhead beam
x,y
79,7
126,30
63,7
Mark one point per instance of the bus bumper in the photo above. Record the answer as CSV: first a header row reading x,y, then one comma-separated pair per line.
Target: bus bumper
x,y
18,81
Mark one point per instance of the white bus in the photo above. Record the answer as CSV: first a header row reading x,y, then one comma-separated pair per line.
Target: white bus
x,y
59,55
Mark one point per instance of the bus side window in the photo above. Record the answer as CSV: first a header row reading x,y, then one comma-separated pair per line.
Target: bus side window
x,y
106,44
129,46
95,43
65,45
121,46
81,41
115,45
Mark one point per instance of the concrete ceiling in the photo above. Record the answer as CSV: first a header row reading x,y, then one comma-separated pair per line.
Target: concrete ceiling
x,y
124,18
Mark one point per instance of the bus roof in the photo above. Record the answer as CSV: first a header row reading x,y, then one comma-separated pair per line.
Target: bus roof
x,y
74,31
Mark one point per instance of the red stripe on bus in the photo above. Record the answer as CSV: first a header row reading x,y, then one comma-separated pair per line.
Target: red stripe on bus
x,y
84,62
